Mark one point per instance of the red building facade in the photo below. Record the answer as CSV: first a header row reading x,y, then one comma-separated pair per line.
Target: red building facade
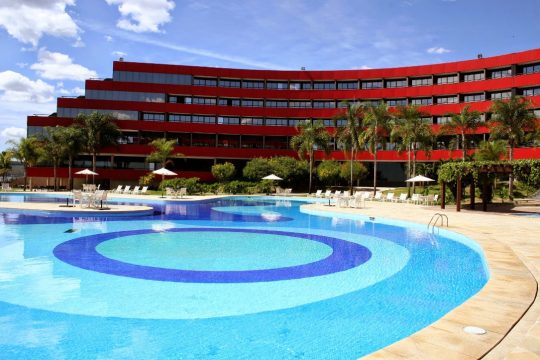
x,y
219,114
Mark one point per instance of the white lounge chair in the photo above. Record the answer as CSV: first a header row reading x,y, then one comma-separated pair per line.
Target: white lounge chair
x,y
127,189
328,194
77,197
182,192
118,189
135,190
6,187
358,200
389,197
319,194
415,199
402,198
144,190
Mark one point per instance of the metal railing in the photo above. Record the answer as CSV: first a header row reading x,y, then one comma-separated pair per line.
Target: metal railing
x,y
435,219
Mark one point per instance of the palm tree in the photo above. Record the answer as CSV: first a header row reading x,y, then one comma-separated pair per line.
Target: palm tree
x,y
376,127
311,136
513,121
53,149
163,151
5,163
99,131
462,124
490,150
26,151
348,135
413,134
71,138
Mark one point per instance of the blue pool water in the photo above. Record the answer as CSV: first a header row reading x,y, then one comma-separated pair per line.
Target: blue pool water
x,y
232,278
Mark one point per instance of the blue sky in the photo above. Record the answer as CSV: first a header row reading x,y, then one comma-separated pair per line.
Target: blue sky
x,y
50,46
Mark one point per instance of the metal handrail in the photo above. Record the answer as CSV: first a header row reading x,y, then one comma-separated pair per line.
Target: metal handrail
x,y
437,216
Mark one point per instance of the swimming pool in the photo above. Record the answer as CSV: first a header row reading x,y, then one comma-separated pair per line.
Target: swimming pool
x,y
238,277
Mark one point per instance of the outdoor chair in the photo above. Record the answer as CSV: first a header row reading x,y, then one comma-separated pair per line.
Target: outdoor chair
x,y
319,194
169,191
389,197
6,187
415,198
357,200
378,196
135,190
144,190
127,189
118,189
182,192
328,194
77,197
402,198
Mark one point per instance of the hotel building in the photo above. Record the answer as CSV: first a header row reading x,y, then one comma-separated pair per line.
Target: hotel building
x,y
219,114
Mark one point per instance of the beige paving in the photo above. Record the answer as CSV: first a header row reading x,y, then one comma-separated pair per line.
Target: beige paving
x,y
59,208
507,307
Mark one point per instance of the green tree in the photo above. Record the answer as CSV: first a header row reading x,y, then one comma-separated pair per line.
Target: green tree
x,y
490,150
163,152
257,168
26,151
311,136
377,124
359,171
5,163
53,150
462,124
292,171
223,172
513,120
412,134
348,135
328,172
71,139
99,131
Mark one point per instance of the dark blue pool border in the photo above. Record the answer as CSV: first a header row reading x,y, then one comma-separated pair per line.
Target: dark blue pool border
x,y
81,252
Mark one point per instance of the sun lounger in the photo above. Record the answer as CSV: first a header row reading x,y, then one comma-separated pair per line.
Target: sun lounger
x,y
135,190
402,198
118,190
127,190
319,194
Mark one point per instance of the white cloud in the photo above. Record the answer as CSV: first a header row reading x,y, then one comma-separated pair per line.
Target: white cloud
x,y
437,50
143,15
108,38
58,66
22,65
13,133
76,91
119,54
78,43
29,20
15,87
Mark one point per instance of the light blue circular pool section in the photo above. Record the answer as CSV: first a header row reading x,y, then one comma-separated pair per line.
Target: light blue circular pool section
x,y
82,252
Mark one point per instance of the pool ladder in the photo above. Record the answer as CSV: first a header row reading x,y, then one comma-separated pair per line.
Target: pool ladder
x,y
435,219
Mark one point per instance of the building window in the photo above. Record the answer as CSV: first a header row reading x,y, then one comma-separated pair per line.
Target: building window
x,y
421,101
228,141
204,82
203,101
252,121
396,83
229,102
229,83
295,122
203,119
117,114
501,95
347,85
300,104
253,84
152,78
324,104
442,119
276,122
225,120
276,103
252,103
531,69
396,102
277,85
473,98
477,76
421,81
124,96
179,118
447,79
377,84
153,117
295,86
496,74
531,92
447,100
324,85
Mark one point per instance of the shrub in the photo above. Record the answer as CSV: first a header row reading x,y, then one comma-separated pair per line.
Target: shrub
x,y
191,184
257,168
359,171
328,172
223,172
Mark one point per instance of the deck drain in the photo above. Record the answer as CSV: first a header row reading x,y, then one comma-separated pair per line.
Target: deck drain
x,y
71,230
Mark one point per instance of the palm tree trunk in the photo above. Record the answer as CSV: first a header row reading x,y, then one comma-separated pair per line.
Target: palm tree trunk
x,y
94,156
409,169
70,179
463,145
414,168
375,167
352,157
310,171
511,177
54,176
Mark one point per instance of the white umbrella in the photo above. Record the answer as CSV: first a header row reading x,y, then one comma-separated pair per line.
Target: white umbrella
x,y
163,172
86,172
272,177
419,178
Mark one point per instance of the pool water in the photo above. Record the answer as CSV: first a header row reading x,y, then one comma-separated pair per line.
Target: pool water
x,y
231,278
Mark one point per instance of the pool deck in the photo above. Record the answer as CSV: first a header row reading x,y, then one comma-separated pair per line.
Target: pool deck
x,y
58,208
507,307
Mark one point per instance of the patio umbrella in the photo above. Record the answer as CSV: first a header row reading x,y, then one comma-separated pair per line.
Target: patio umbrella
x,y
419,178
272,177
163,172
86,172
